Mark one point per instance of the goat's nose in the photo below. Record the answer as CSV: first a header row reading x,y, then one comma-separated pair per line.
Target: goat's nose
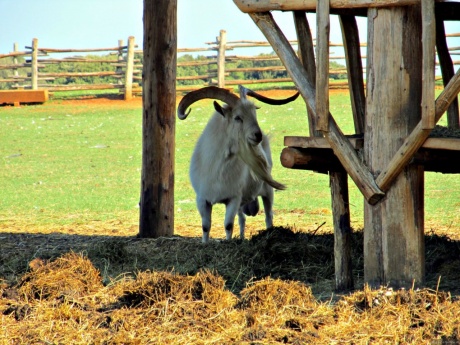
x,y
258,136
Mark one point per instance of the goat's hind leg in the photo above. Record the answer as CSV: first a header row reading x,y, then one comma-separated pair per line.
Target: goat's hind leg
x,y
232,208
205,209
242,222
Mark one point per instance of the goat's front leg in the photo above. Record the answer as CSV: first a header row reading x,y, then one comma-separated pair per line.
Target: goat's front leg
x,y
231,210
205,209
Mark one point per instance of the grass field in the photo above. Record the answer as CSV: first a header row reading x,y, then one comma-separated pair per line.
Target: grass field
x,y
75,164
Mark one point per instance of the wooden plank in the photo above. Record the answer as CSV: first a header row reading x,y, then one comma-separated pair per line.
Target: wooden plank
x,y
318,143
252,6
23,96
342,148
352,48
447,71
428,61
322,65
418,136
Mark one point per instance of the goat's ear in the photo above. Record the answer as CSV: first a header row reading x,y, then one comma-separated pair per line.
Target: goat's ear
x,y
219,108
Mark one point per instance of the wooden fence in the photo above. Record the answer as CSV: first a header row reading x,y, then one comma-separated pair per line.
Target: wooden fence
x,y
127,66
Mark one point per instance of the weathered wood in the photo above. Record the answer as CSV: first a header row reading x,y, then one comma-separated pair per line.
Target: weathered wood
x,y
352,50
322,66
318,143
34,69
447,71
417,137
437,155
159,102
428,67
221,58
252,6
393,228
307,58
129,69
17,97
338,182
342,148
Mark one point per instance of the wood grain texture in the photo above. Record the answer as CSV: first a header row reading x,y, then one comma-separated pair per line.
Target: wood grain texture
x,y
159,108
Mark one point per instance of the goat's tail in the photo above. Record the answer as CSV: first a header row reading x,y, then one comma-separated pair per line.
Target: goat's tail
x,y
255,158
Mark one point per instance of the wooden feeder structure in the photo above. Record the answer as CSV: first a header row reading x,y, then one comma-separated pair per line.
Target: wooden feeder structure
x,y
393,119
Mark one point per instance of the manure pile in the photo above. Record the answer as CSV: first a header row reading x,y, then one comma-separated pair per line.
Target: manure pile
x,y
80,298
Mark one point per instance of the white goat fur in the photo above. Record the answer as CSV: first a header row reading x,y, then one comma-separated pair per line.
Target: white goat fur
x,y
230,165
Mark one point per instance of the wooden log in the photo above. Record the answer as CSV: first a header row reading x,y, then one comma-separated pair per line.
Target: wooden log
x,y
159,104
428,67
322,66
23,96
437,155
352,50
253,6
447,71
129,69
393,228
418,136
79,74
342,148
34,68
221,59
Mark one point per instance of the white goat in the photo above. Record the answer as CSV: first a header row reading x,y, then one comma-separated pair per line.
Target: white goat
x,y
231,163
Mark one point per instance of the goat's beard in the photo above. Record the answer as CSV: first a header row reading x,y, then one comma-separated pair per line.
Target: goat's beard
x,y
254,156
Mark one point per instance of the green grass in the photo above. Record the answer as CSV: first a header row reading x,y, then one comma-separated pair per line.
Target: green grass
x,y
69,164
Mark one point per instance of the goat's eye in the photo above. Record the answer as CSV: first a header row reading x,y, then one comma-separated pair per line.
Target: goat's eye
x,y
238,119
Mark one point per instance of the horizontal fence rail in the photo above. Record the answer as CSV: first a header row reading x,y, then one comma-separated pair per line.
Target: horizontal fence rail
x,y
123,64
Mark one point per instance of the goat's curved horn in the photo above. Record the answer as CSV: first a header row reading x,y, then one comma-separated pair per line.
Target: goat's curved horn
x,y
211,92
248,92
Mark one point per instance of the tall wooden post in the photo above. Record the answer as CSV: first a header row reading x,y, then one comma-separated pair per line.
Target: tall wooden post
x,y
393,228
120,61
129,69
221,59
159,105
34,74
15,62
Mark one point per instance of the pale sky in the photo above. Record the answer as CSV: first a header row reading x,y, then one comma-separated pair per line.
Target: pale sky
x,y
100,23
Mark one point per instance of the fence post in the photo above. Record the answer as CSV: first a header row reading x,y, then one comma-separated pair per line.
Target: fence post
x,y
129,69
34,80
15,62
120,60
221,58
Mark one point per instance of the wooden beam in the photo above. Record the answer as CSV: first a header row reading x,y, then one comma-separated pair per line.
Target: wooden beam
x,y
342,148
322,65
156,216
34,72
307,57
352,48
252,6
428,61
437,155
447,71
418,136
